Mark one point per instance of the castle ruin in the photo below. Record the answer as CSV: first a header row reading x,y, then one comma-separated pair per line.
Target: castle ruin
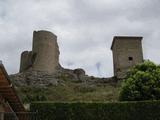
x,y
44,55
127,52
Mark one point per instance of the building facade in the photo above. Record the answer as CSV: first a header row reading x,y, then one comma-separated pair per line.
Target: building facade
x,y
127,52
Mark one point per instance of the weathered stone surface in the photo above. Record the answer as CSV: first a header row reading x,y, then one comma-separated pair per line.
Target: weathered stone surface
x,y
80,73
26,61
44,79
44,55
46,50
40,67
34,78
127,52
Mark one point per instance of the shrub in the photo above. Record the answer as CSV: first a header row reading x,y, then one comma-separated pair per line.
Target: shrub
x,y
32,94
85,88
148,110
142,83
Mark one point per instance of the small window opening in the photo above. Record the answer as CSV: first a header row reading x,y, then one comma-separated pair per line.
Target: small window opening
x,y
118,70
130,58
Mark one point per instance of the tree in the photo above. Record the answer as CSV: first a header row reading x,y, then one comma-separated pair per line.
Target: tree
x,y
141,83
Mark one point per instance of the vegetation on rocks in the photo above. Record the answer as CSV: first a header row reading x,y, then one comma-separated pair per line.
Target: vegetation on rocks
x,y
141,83
69,91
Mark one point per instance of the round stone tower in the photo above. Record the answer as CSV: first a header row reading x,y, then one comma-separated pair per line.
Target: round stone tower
x,y
45,51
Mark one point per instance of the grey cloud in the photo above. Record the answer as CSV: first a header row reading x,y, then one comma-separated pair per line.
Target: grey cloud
x,y
85,29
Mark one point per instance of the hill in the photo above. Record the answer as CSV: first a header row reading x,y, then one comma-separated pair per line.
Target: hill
x,y
65,85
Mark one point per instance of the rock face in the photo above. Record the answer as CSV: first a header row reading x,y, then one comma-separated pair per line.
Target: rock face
x,y
43,79
34,78
44,55
80,73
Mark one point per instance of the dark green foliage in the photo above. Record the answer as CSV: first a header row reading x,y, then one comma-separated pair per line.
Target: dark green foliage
x,y
142,83
148,110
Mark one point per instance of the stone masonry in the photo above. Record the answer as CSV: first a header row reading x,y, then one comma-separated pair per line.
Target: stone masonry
x,y
127,52
41,65
44,55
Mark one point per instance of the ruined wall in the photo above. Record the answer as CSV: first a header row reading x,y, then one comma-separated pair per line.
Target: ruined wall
x,y
127,52
26,62
45,51
44,55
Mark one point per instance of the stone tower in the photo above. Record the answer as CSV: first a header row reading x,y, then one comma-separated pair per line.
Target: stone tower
x,y
44,55
127,52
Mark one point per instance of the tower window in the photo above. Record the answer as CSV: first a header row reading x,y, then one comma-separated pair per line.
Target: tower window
x,y
130,58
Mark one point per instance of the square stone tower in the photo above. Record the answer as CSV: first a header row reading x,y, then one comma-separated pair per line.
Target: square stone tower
x,y
127,52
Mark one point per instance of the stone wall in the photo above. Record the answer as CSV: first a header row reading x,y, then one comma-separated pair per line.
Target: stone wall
x,y
127,52
44,55
26,62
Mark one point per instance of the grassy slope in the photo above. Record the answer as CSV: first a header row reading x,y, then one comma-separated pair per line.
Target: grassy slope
x,y
70,91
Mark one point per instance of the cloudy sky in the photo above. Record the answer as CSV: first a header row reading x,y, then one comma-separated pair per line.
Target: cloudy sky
x,y
85,29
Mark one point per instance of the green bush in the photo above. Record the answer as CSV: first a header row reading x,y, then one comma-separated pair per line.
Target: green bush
x,y
142,83
148,110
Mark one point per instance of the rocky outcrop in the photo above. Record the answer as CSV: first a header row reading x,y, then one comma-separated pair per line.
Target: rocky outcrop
x,y
44,79
80,73
41,78
34,78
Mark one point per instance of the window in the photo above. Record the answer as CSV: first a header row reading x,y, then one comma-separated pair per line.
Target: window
x,y
130,58
118,70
